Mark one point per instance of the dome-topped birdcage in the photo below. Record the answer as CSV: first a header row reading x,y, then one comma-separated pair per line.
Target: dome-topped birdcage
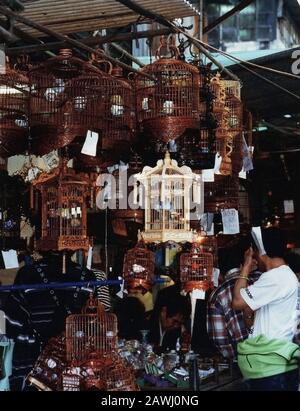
x,y
167,96
115,128
138,267
14,103
67,98
93,333
63,208
168,194
196,269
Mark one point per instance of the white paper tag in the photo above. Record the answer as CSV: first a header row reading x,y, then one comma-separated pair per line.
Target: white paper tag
x,y
257,237
2,323
32,173
230,219
120,294
208,175
218,162
289,207
51,160
247,159
10,259
243,174
216,274
78,210
73,211
207,221
90,145
89,258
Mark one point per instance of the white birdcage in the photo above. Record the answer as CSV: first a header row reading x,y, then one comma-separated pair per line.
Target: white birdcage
x,y
168,194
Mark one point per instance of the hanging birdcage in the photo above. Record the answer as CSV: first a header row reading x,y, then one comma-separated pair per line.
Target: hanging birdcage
x,y
116,123
168,193
11,210
91,333
14,103
63,202
196,269
167,94
66,100
221,194
138,267
208,244
235,109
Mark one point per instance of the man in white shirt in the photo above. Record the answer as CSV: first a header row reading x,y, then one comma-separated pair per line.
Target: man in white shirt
x,y
273,298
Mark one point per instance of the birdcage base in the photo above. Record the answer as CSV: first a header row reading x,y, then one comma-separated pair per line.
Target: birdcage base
x,y
167,235
168,128
63,243
197,285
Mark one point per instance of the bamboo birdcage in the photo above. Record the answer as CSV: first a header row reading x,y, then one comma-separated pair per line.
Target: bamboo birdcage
x,y
63,195
14,103
93,332
168,193
196,269
66,99
168,101
138,267
208,244
120,377
223,193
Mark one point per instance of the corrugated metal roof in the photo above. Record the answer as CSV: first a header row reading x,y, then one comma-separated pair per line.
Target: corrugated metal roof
x,y
70,16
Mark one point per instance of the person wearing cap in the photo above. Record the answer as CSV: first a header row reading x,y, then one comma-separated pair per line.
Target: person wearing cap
x,y
269,359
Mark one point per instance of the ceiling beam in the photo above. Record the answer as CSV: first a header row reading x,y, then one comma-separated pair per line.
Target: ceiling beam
x,y
89,41
241,6
72,42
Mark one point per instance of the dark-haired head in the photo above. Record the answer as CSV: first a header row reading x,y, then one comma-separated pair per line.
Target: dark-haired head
x,y
274,242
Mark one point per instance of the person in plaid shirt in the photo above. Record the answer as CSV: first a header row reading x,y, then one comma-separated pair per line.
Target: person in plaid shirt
x,y
227,327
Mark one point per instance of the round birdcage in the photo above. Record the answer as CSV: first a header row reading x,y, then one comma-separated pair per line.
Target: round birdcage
x,y
66,100
14,103
223,193
235,116
196,269
167,93
138,267
91,333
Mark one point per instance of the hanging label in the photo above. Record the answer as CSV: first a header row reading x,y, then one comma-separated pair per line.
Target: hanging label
x,y
247,158
208,175
10,259
243,175
51,160
257,237
289,207
120,294
207,222
230,220
2,323
216,274
218,162
90,145
89,258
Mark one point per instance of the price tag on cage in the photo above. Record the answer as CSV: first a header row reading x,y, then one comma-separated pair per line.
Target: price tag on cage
x,y
10,259
218,162
289,207
51,160
90,145
89,258
230,220
216,274
208,175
